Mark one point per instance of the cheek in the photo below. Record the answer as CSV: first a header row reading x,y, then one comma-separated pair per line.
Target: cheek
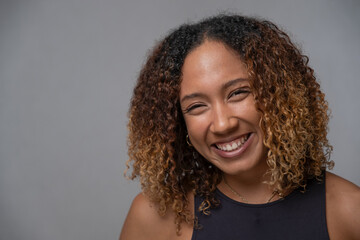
x,y
196,127
256,119
247,112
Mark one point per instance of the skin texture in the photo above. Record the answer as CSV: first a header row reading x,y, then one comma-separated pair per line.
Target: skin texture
x,y
144,223
215,118
342,208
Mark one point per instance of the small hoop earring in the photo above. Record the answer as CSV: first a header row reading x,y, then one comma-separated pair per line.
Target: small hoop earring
x,y
188,140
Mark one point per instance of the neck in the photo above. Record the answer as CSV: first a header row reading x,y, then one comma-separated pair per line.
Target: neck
x,y
251,187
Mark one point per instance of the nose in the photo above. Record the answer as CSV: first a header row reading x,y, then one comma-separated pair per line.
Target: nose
x,y
223,121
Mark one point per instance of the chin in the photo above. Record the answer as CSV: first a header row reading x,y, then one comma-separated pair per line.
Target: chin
x,y
242,166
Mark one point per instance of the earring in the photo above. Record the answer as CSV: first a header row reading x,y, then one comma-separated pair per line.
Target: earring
x,y
188,141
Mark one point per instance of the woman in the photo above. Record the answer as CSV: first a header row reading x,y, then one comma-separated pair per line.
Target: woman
x,y
228,134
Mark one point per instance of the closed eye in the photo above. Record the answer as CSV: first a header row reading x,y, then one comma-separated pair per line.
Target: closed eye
x,y
194,108
242,91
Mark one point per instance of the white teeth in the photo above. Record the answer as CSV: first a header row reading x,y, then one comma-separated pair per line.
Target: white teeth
x,y
231,147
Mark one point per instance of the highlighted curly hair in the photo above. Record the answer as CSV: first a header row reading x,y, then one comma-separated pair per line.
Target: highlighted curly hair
x,y
293,109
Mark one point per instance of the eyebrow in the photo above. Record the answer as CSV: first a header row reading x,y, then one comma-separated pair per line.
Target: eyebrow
x,y
233,82
224,86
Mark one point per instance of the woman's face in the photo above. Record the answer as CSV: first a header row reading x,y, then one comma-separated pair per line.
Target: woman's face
x,y
219,110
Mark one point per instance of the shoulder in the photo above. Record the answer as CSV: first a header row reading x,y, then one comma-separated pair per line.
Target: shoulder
x,y
342,208
144,222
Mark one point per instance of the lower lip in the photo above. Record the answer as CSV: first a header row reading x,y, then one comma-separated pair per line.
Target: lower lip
x,y
236,152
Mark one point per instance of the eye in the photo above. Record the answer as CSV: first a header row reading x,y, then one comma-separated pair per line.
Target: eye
x,y
194,108
239,93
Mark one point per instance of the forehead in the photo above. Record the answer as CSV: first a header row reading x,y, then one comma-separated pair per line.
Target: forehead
x,y
211,64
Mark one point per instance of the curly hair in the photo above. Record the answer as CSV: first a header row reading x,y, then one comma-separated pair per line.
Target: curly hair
x,y
294,114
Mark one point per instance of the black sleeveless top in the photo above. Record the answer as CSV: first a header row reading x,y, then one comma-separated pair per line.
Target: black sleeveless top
x,y
297,216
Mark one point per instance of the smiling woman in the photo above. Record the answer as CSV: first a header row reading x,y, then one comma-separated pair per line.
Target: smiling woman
x,y
219,111
228,134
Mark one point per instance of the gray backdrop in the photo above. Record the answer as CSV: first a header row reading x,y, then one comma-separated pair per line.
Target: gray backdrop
x,y
67,68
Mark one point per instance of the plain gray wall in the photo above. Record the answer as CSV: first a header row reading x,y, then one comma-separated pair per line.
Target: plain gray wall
x,y
67,68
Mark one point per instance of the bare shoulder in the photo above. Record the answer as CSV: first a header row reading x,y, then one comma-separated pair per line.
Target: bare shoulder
x,y
342,208
144,222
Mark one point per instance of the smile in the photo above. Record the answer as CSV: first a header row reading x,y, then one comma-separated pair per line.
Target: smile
x,y
233,145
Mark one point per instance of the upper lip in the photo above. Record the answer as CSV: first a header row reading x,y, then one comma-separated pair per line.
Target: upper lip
x,y
229,139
